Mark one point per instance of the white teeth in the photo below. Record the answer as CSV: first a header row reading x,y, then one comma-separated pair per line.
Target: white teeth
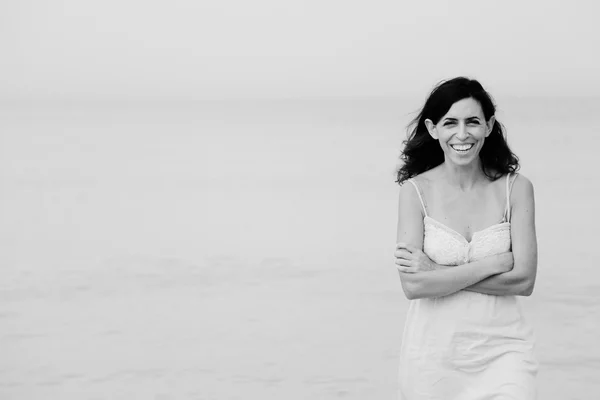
x,y
462,147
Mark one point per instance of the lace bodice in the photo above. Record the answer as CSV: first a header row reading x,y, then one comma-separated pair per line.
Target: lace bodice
x,y
447,247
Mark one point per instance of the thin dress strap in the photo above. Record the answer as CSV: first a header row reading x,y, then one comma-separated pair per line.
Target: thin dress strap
x,y
420,197
509,185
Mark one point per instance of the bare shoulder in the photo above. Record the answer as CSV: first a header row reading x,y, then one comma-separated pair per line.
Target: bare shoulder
x,y
522,189
410,216
409,198
408,193
522,186
429,178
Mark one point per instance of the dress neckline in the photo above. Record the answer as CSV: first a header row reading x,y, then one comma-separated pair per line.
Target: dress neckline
x,y
458,234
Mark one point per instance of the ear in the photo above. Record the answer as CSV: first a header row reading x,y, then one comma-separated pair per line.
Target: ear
x,y
431,128
490,125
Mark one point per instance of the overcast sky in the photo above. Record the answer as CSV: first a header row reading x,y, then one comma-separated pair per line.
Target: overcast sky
x,y
273,48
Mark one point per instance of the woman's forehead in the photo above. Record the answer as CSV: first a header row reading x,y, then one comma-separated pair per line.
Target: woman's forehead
x,y
465,108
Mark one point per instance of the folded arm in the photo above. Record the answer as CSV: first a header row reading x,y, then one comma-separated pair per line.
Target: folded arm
x,y
507,283
520,280
500,284
443,281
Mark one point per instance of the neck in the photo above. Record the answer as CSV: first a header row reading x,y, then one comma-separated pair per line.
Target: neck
x,y
464,177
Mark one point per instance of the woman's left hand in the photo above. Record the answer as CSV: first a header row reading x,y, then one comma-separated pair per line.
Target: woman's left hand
x,y
411,259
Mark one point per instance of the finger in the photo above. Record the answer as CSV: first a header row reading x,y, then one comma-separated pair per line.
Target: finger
x,y
403,254
404,262
406,270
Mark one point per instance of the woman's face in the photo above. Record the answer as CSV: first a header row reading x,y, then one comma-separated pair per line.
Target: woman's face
x,y
462,131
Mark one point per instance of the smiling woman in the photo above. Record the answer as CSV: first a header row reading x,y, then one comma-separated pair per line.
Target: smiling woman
x,y
462,131
466,249
461,110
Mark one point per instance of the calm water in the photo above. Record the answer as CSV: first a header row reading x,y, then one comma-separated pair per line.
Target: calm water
x,y
244,250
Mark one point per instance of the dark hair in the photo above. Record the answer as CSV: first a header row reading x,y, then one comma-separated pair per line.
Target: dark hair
x,y
422,152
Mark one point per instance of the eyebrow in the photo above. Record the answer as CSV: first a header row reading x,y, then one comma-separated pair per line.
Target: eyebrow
x,y
454,119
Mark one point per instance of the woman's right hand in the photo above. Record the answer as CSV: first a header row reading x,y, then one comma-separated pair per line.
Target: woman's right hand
x,y
505,262
411,259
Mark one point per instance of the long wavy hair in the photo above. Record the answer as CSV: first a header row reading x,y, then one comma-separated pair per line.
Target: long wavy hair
x,y
422,152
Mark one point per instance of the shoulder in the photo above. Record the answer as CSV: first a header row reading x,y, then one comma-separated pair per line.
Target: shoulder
x,y
520,183
428,179
521,189
409,197
415,184
408,189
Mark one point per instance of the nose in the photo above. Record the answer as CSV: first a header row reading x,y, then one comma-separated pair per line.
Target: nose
x,y
462,131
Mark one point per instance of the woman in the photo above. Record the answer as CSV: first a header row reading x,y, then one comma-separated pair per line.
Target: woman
x,y
466,249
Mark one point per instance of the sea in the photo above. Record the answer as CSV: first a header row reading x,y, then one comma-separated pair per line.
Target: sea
x,y
243,249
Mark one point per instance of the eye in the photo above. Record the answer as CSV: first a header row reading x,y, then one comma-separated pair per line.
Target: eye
x,y
449,123
473,122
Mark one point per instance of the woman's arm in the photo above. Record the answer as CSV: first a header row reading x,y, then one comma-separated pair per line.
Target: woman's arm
x,y
427,279
441,282
410,226
521,279
501,284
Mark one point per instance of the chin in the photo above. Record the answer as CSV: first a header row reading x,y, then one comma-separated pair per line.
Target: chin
x,y
463,161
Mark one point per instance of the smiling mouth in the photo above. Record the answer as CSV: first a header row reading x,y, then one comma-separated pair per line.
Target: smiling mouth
x,y
462,148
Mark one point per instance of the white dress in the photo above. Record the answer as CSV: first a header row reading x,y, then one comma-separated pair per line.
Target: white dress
x,y
467,345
